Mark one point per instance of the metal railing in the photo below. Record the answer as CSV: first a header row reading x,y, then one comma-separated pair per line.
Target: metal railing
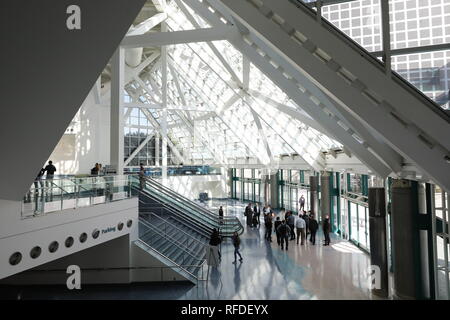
x,y
50,195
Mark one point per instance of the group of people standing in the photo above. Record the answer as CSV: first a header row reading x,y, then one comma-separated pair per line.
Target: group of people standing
x,y
252,215
97,169
290,226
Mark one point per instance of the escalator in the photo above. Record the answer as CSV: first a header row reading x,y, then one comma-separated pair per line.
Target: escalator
x,y
162,201
334,79
176,230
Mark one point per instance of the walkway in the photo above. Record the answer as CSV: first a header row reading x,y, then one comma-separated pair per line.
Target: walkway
x,y
303,272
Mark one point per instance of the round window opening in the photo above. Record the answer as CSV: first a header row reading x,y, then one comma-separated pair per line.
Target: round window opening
x,y
95,233
35,252
129,223
83,237
15,258
120,226
69,242
53,246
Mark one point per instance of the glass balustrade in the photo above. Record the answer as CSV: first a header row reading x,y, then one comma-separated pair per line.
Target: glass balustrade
x,y
51,195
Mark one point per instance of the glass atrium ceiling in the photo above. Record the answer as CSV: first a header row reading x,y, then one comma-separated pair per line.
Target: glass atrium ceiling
x,y
221,107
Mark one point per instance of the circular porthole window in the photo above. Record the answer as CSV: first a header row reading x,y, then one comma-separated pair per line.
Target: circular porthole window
x,y
69,242
95,233
53,246
129,223
83,237
15,258
120,226
35,252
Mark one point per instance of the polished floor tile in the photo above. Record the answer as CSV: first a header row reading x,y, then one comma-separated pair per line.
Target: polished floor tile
x,y
338,271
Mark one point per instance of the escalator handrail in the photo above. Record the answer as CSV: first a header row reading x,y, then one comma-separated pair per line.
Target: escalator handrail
x,y
186,202
215,221
190,203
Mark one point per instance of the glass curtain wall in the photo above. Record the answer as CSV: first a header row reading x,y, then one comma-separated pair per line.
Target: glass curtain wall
x,y
354,219
246,185
292,185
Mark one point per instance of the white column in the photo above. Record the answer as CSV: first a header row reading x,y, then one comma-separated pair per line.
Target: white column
x,y
157,137
164,105
116,114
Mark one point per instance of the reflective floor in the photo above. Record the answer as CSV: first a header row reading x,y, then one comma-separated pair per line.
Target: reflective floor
x,y
337,271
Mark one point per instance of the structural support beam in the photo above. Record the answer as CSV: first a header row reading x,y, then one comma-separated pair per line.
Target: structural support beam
x,y
136,151
116,114
157,127
164,105
177,37
409,122
296,113
301,98
211,45
148,24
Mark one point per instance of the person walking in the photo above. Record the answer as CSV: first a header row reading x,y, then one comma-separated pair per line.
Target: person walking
x,y
215,240
326,228
142,177
284,231
300,225
268,224
236,243
313,226
302,203
277,224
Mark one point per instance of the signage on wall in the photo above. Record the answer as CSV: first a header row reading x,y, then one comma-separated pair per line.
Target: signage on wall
x,y
109,229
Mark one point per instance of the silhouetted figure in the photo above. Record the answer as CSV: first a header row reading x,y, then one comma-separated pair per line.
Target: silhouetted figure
x,y
95,170
290,221
236,243
268,223
220,215
313,226
277,224
249,214
215,240
38,180
256,214
142,177
326,227
302,203
284,232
